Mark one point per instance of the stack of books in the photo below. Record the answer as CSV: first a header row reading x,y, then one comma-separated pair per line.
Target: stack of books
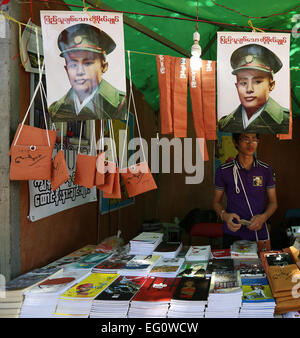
x,y
244,249
153,298
225,295
166,267
168,250
190,298
258,301
11,303
10,307
198,253
41,300
113,302
113,263
138,266
145,243
77,301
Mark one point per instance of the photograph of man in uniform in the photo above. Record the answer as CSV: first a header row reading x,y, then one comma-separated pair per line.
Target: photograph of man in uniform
x,y
85,48
254,66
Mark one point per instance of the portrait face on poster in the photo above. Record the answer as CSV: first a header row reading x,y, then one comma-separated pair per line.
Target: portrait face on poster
x,y
253,80
85,65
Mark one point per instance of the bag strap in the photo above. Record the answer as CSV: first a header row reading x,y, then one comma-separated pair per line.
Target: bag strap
x,y
236,175
80,134
131,97
101,143
93,137
38,87
61,135
53,127
114,149
126,131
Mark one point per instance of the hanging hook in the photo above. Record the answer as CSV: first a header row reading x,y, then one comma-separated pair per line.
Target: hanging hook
x,y
254,29
85,7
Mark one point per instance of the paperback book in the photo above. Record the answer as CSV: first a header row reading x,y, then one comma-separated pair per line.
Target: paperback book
x,y
139,266
13,298
198,253
114,301
90,286
191,291
22,283
219,265
220,253
225,295
41,300
249,268
190,298
244,249
113,263
279,259
166,267
77,301
258,300
145,243
193,269
70,258
225,283
153,298
168,250
89,261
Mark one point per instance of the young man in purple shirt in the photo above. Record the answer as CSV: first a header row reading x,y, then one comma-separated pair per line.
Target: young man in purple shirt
x,y
258,181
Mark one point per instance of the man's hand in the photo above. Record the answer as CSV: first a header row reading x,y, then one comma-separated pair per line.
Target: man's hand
x,y
257,222
228,218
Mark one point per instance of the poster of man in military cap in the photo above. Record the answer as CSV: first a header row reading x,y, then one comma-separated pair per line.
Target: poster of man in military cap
x,y
253,81
85,65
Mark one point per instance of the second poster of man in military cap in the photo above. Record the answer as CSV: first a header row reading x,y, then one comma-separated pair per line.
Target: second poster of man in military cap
x,y
85,65
253,80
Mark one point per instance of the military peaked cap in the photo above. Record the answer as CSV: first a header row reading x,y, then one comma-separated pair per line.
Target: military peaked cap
x,y
85,37
255,56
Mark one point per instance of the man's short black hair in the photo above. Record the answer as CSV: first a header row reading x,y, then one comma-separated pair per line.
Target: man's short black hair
x,y
236,137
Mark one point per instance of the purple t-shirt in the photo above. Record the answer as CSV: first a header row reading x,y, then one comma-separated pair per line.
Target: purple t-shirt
x,y
256,181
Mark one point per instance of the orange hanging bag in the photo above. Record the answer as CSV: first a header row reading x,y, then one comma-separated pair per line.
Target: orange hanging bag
x,y
32,147
85,172
164,82
138,177
197,108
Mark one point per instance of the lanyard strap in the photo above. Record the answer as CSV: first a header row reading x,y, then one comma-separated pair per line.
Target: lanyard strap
x,y
235,175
